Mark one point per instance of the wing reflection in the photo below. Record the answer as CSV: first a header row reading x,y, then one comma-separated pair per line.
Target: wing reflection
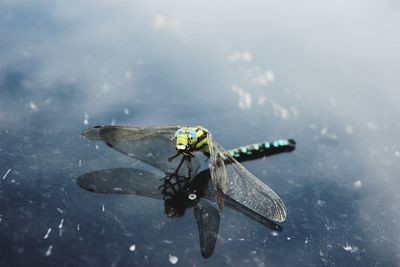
x,y
178,195
180,192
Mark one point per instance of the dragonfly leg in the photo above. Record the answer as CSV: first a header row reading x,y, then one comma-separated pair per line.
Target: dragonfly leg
x,y
174,156
169,175
190,168
172,186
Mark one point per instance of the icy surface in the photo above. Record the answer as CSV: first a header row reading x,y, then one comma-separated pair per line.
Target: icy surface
x,y
324,73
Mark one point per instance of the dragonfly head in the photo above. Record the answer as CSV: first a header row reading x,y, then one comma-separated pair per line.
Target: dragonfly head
x,y
185,139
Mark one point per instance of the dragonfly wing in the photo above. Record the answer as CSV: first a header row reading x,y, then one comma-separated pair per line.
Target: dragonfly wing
x,y
207,219
217,170
109,133
122,181
251,214
152,145
250,192
208,192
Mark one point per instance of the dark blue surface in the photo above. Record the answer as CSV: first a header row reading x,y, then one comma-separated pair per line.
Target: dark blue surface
x,y
324,74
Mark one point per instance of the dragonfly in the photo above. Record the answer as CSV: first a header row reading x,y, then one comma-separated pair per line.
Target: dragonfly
x,y
172,150
179,194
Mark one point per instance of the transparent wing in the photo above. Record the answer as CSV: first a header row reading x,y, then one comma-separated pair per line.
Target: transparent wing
x,y
122,181
207,219
152,145
217,170
246,189
208,193
229,202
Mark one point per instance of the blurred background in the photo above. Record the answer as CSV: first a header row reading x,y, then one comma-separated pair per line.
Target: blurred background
x,y
322,72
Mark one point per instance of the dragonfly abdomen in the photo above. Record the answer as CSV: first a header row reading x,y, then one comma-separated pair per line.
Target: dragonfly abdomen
x,y
264,149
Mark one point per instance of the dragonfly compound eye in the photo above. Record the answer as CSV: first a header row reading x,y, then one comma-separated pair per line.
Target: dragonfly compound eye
x,y
179,132
192,136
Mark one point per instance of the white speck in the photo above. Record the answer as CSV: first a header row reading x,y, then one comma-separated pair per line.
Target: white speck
x,y
78,227
295,111
105,88
47,234
102,208
372,126
351,249
247,56
132,248
306,241
262,100
60,210
33,106
288,238
349,129
97,146
86,120
241,239
326,133
126,111
313,126
333,102
234,57
128,75
61,224
245,100
80,163
239,56
280,111
328,227
229,239
397,153
357,184
260,76
48,252
320,202
113,122
159,22
274,233
117,189
173,259
5,175
167,241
